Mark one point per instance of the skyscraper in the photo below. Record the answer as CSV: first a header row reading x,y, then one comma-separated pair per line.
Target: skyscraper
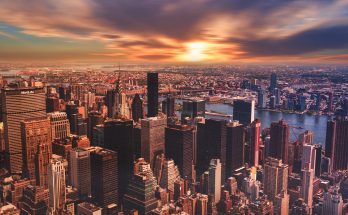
x,y
262,99
34,131
275,177
211,144
180,145
333,202
193,108
168,106
104,176
52,104
94,119
254,135
278,146
35,200
336,146
42,160
244,111
215,179
273,83
307,184
60,125
56,184
137,108
80,171
152,137
235,143
19,104
118,136
152,94
169,174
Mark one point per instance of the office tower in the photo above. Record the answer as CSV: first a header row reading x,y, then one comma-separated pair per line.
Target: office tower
x,y
62,147
110,100
137,140
19,104
235,141
137,108
86,208
98,135
336,146
272,102
251,188
80,171
168,106
306,137
81,125
275,177
152,137
104,176
192,109
244,111
308,157
35,200
118,136
202,204
34,132
302,103
140,194
333,202
180,145
89,100
42,160
60,125
318,156
307,184
64,93
56,184
273,83
278,146
215,179
179,188
170,173
152,94
52,104
276,93
141,166
211,144
71,110
262,99
94,119
281,203
254,135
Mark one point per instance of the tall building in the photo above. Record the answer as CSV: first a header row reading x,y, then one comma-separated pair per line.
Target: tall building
x,y
308,156
19,104
306,137
318,157
94,119
170,173
278,146
118,136
281,203
215,179
86,208
235,142
152,137
104,176
60,125
336,145
52,104
180,145
333,202
168,106
42,160
275,177
254,135
35,132
273,83
262,99
80,171
211,144
307,185
35,200
137,108
244,111
152,94
56,184
192,109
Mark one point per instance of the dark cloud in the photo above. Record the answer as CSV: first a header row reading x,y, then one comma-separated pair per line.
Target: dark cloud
x,y
156,57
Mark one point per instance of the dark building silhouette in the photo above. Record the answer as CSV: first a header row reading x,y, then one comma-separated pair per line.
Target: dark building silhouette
x,y
273,83
71,112
337,143
109,101
192,109
318,154
168,106
152,94
243,111
118,136
234,147
94,118
279,142
211,144
137,108
52,104
180,144
104,176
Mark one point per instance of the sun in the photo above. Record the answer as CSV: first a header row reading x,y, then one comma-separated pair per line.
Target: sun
x,y
195,51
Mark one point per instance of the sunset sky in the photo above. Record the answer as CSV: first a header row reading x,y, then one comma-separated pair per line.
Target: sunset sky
x,y
174,30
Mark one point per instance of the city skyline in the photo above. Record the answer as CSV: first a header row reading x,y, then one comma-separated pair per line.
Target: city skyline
x,y
181,32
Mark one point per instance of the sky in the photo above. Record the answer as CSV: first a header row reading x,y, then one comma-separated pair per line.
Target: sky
x,y
175,31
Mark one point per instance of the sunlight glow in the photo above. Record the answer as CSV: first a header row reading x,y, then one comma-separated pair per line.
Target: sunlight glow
x,y
196,51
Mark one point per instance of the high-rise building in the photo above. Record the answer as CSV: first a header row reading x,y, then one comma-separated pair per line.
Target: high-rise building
x,y
180,145
152,137
35,200
42,160
211,144
244,111
333,202
152,94
169,174
262,99
118,136
52,104
215,179
80,171
336,146
273,83
235,143
94,119
60,125
308,156
19,104
137,108
281,203
86,208
306,137
34,132
192,109
318,156
275,177
307,185
278,146
56,184
168,106
254,135
104,176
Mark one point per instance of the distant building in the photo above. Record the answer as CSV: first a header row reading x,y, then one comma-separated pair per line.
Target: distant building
x,y
262,99
273,83
244,111
168,106
137,108
152,94
94,119
192,109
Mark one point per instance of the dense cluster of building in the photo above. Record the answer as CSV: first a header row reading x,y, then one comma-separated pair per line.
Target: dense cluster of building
x,y
72,150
